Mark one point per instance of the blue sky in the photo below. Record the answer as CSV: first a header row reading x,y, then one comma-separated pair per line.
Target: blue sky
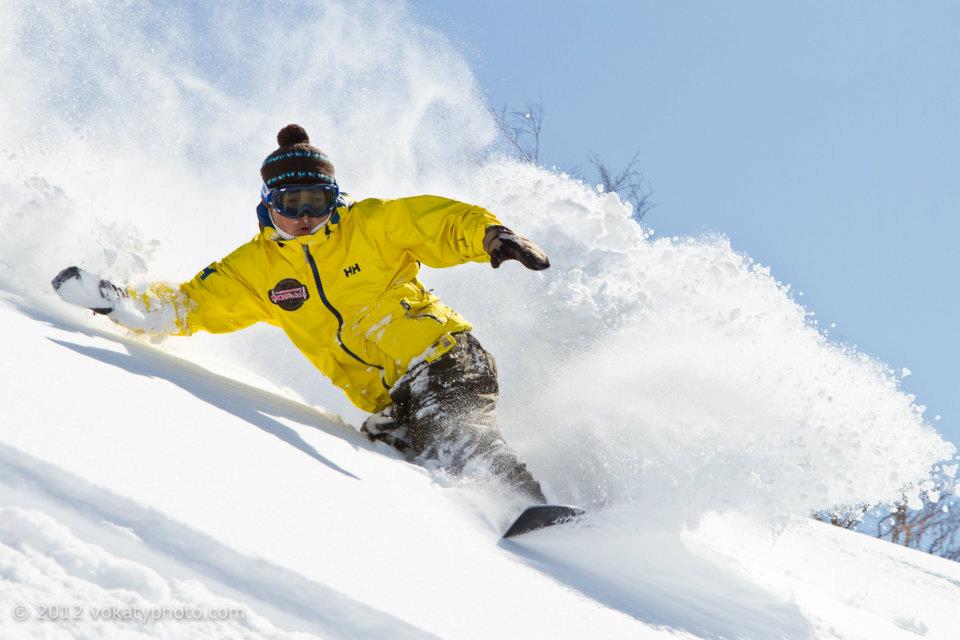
x,y
821,137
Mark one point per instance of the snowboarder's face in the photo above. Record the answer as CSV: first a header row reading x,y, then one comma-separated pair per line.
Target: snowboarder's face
x,y
300,226
299,210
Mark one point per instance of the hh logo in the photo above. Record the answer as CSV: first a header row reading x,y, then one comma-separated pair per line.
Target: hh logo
x,y
349,271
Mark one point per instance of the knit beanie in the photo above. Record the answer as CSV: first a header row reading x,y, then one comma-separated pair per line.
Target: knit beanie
x,y
296,162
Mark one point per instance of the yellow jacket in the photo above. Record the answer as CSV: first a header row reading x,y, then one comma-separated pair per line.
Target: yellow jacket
x,y
347,296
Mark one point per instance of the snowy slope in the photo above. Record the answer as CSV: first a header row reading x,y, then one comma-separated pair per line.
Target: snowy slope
x,y
132,478
255,490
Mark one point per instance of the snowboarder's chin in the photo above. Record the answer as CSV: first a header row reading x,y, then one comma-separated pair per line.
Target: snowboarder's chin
x,y
300,227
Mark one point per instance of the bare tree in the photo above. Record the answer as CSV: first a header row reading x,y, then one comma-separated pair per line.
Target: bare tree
x,y
845,518
629,184
945,536
934,528
522,128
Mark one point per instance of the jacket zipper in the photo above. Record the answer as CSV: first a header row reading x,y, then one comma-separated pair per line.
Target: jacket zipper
x,y
406,309
336,314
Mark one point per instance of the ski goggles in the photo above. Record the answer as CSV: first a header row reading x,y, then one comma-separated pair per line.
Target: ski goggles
x,y
302,200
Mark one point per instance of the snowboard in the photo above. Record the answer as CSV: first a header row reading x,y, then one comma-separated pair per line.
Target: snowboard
x,y
541,516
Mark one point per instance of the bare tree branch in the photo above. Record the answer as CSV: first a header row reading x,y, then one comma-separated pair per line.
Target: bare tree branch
x,y
933,528
629,183
522,129
846,518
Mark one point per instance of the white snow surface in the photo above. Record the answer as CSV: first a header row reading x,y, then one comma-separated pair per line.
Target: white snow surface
x,y
670,386
135,481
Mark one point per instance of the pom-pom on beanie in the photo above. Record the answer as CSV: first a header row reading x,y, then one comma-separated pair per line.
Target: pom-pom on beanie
x,y
296,161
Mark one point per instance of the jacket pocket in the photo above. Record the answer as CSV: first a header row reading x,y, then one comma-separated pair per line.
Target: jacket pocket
x,y
411,334
428,311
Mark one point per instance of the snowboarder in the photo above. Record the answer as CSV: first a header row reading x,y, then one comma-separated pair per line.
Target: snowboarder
x,y
340,278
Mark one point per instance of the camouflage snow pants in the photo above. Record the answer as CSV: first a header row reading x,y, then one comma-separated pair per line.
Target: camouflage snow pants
x,y
445,411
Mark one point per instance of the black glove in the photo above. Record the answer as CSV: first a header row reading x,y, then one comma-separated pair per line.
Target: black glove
x,y
85,289
503,244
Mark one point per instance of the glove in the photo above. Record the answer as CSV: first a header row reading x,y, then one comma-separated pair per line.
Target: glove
x,y
503,244
85,289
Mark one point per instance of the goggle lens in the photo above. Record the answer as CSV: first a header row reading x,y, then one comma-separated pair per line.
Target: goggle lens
x,y
294,200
